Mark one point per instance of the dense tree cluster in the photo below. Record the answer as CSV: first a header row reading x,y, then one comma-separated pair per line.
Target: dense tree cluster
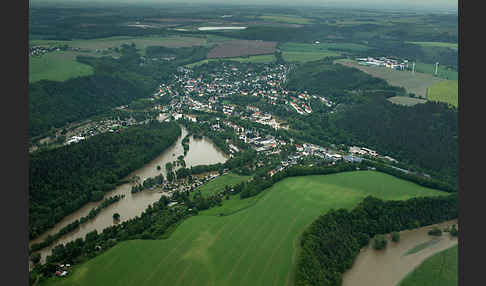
x,y
332,242
423,136
148,183
64,179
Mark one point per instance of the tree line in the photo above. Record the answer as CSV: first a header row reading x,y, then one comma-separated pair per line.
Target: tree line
x,y
62,180
331,243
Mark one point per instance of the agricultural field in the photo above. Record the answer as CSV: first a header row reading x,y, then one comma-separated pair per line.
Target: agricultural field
x,y
220,182
251,59
325,47
281,18
115,42
442,72
416,83
307,56
444,91
440,269
57,66
453,46
405,100
239,48
255,246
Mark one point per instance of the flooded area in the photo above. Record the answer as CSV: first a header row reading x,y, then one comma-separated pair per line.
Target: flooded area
x,y
389,266
201,152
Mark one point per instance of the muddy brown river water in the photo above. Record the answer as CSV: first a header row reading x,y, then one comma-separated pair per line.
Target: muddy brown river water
x,y
201,152
389,266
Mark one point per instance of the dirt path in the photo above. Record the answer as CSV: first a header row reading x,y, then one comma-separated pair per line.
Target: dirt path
x,y
388,267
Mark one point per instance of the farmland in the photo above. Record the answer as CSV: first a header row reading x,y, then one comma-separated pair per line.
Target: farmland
x,y
444,91
416,83
115,42
307,56
453,46
442,72
239,48
251,59
57,66
255,246
219,183
281,18
440,269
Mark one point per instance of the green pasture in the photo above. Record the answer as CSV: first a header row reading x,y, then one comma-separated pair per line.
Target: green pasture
x,y
439,270
442,71
306,56
57,66
220,182
303,47
255,246
444,91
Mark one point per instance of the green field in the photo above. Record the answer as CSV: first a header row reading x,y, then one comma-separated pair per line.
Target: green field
x,y
438,270
444,91
453,46
220,182
251,59
57,66
255,246
442,72
140,42
405,100
307,56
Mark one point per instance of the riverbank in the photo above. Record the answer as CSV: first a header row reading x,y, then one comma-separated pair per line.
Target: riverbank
x,y
201,152
389,266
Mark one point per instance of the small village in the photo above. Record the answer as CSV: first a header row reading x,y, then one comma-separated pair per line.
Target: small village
x,y
384,62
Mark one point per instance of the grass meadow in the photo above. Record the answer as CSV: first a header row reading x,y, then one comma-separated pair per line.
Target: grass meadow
x,y
444,91
257,245
438,270
57,66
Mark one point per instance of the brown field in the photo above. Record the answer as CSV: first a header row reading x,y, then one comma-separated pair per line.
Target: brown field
x,y
241,48
416,83
404,100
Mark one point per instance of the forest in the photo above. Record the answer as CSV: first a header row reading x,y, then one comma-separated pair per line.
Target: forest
x,y
368,119
331,243
62,180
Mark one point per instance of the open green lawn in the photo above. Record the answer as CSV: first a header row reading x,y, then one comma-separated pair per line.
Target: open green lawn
x,y
438,270
442,72
251,59
444,91
57,66
306,56
255,246
220,182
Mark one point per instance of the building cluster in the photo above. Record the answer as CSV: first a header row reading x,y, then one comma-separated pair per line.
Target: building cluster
x,y
355,150
384,62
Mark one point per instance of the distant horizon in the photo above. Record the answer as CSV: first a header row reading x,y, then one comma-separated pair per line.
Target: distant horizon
x,y
405,5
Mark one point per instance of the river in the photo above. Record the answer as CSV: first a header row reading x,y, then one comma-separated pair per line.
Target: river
x,y
201,152
388,267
